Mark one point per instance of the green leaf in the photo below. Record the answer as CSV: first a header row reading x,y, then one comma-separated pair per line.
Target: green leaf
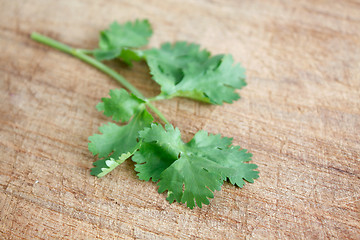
x,y
167,64
117,140
168,138
162,153
128,56
218,81
117,40
182,69
191,172
152,160
121,105
106,54
104,166
231,161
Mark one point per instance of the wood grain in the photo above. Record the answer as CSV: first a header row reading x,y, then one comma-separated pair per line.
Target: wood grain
x,y
299,116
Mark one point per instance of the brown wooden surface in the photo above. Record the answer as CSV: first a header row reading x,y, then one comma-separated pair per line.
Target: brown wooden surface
x,y
299,116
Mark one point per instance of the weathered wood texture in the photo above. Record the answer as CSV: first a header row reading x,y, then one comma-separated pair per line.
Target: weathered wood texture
x,y
299,116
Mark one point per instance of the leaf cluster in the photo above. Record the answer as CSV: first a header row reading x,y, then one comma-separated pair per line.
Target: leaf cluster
x,y
189,172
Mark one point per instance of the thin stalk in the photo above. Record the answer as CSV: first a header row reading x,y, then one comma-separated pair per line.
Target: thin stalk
x,y
81,54
157,112
157,98
86,51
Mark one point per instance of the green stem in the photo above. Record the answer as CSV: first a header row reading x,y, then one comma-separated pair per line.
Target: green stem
x,y
157,112
199,97
157,98
86,51
81,54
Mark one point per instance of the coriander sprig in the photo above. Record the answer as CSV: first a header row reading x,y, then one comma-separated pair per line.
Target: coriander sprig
x,y
189,172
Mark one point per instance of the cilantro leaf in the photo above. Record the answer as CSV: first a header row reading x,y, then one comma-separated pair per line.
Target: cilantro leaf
x,y
130,55
182,69
121,105
231,160
162,153
191,171
117,140
106,54
152,160
116,40
171,60
218,81
169,138
104,166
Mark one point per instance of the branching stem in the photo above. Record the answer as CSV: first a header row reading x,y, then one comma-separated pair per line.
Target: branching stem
x,y
82,55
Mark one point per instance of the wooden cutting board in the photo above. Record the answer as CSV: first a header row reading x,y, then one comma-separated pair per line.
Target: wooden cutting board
x,y
299,116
